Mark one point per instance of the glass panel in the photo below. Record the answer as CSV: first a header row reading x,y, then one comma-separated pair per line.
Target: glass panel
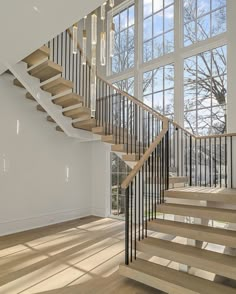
x,y
203,7
147,7
147,82
148,100
158,47
147,51
123,20
131,15
158,23
157,5
169,42
158,101
169,18
158,82
218,22
147,28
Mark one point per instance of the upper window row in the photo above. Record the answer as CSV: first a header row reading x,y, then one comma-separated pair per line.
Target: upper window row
x,y
202,19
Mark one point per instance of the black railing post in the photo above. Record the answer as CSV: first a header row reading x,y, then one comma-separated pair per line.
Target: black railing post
x,y
127,226
190,160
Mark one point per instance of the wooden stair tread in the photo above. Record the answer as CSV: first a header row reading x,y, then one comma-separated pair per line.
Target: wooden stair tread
x,y
57,86
175,180
37,56
217,263
86,125
134,157
123,148
202,193
113,139
46,70
220,214
195,232
68,100
78,112
170,280
18,83
109,129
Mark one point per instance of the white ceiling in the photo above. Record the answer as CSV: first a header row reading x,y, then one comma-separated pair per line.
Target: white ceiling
x,y
25,25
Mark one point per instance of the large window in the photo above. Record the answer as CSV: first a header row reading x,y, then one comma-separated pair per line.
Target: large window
x,y
203,19
158,28
120,170
171,36
124,40
205,89
158,89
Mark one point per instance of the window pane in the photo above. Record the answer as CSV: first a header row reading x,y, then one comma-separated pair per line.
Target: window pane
x,y
203,7
124,40
169,18
147,28
203,19
158,47
205,90
131,16
123,20
147,51
159,84
169,42
147,7
158,26
218,22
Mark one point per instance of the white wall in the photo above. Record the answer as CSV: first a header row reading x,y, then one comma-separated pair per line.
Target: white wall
x,y
28,24
100,178
33,187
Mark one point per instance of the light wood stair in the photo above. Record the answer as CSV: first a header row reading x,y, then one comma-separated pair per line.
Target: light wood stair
x,y
38,55
222,264
169,280
46,70
86,125
112,139
57,86
123,148
79,112
204,194
195,232
219,214
68,100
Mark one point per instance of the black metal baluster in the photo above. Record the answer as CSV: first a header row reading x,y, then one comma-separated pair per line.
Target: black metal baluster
x,y
200,162
226,163
127,227
205,146
220,164
215,160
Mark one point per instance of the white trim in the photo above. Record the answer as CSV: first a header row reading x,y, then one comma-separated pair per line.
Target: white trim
x,y
23,224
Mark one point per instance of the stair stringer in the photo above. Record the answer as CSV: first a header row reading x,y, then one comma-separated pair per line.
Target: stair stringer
x,y
32,85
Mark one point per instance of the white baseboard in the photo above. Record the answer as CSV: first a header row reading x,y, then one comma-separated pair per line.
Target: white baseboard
x,y
101,212
19,225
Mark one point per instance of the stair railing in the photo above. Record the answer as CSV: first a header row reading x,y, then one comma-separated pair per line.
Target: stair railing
x,y
159,145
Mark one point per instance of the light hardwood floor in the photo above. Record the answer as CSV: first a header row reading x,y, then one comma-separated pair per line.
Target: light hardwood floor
x,y
79,256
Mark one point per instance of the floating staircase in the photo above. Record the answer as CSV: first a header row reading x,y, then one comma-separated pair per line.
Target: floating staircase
x,y
177,242
147,142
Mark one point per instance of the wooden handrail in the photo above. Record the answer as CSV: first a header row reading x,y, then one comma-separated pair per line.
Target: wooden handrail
x,y
145,157
147,108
